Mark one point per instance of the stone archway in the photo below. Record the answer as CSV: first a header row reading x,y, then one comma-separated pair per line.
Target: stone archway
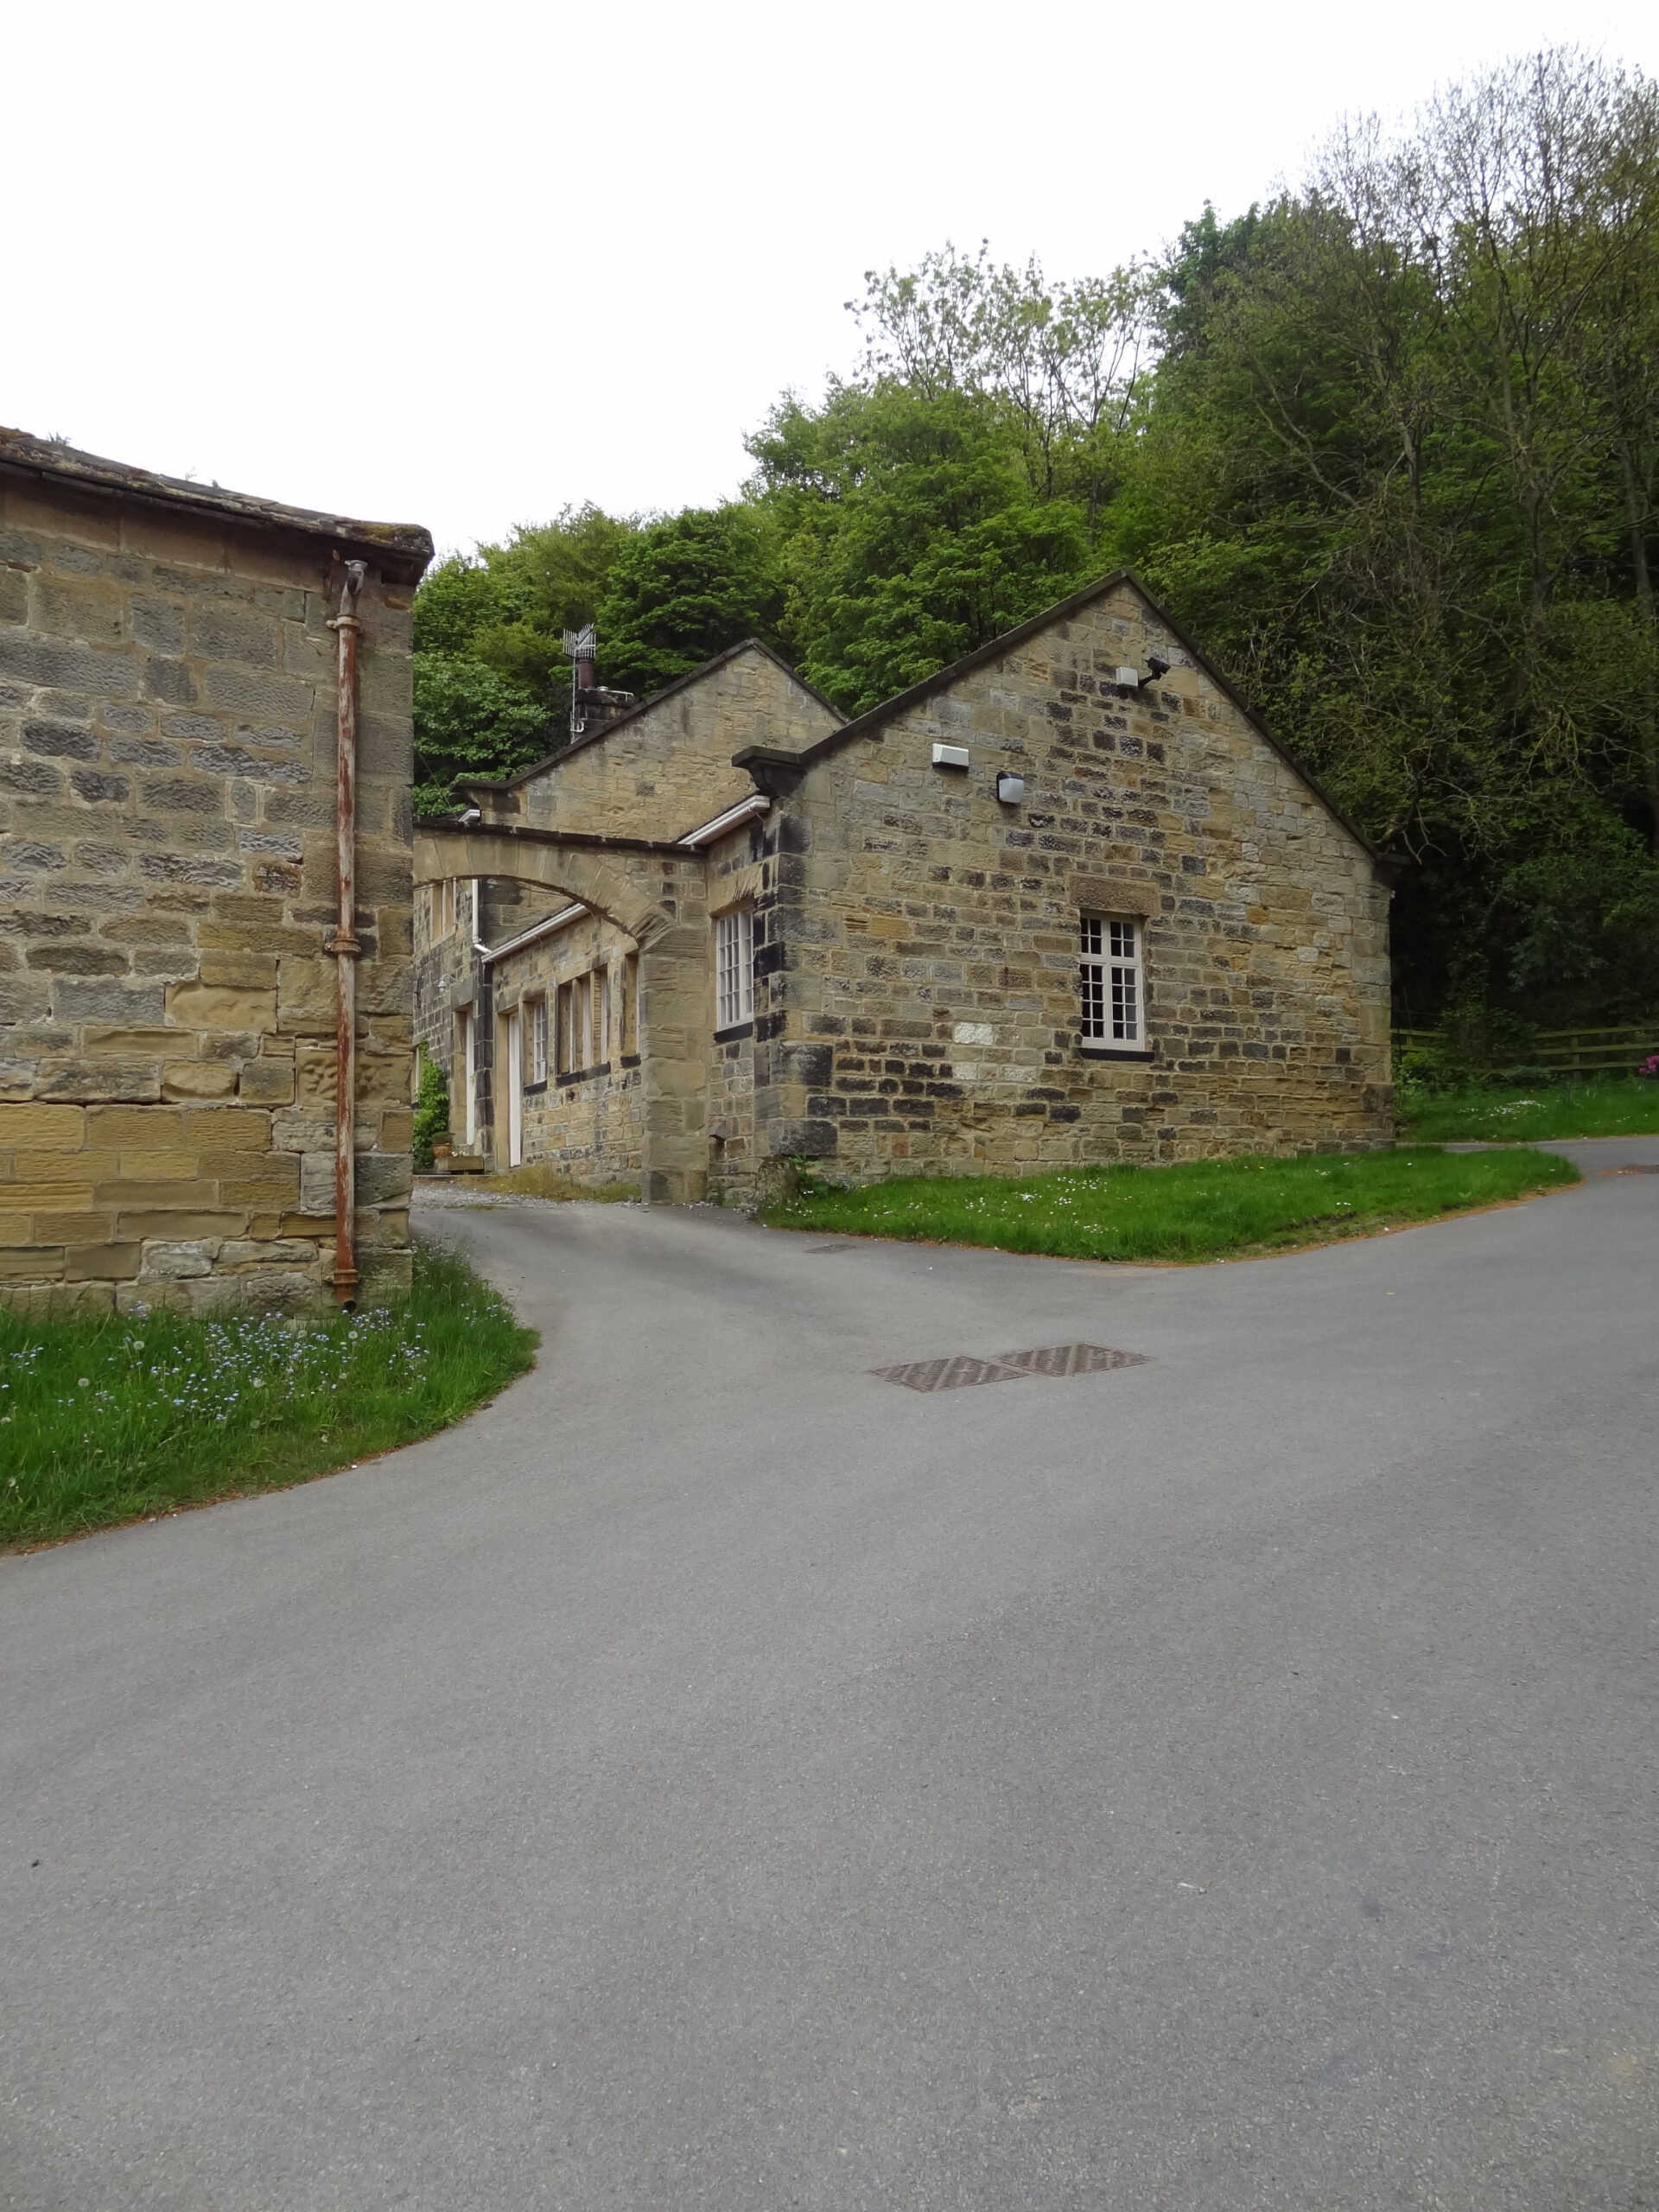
x,y
658,894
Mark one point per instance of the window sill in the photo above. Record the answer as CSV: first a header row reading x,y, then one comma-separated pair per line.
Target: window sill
x,y
1090,1052
535,1090
734,1032
581,1075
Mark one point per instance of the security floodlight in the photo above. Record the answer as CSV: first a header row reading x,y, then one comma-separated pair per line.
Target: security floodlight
x,y
1159,666
950,756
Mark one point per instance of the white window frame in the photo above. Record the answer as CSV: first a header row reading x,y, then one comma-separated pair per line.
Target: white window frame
x,y
539,1039
733,967
601,1017
1112,985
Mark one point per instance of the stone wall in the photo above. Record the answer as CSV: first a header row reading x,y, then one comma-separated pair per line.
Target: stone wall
x,y
586,1123
446,986
167,872
926,1010
665,768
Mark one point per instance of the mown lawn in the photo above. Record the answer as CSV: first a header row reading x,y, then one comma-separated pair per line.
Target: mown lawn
x,y
1628,1107
1210,1210
133,1415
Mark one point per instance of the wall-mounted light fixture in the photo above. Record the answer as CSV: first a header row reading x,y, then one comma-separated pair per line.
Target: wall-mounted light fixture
x,y
1010,788
1130,679
950,756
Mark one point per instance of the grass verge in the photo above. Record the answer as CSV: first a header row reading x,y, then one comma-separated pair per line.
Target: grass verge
x,y
1208,1209
135,1414
1622,1107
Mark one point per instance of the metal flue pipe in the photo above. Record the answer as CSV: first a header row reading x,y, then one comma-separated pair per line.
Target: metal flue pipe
x,y
344,943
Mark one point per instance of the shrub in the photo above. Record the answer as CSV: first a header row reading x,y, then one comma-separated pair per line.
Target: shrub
x,y
431,1112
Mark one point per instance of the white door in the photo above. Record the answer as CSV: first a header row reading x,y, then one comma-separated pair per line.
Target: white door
x,y
515,1091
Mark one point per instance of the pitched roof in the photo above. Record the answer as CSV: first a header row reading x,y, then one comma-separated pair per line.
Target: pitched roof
x,y
632,713
867,724
401,551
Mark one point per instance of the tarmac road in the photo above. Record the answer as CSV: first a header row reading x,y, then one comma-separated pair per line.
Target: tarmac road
x,y
715,1779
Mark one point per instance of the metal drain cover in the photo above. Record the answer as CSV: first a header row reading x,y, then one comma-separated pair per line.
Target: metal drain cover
x,y
948,1374
1008,1367
1070,1359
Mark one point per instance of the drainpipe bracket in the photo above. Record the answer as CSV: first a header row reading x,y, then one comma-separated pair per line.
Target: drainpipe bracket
x,y
345,947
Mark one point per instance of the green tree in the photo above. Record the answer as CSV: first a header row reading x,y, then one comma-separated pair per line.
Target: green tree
x,y
472,725
492,682
1398,472
685,587
911,534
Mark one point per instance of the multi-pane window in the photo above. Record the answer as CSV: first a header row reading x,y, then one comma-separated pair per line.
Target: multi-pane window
x,y
538,1040
602,1016
733,967
443,907
1113,996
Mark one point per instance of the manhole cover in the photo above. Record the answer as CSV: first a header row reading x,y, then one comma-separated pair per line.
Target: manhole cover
x,y
1070,1359
948,1374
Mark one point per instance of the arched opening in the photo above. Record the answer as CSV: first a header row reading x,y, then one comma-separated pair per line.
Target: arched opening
x,y
655,894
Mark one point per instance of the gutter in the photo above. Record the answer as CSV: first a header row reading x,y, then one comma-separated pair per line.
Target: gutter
x,y
745,811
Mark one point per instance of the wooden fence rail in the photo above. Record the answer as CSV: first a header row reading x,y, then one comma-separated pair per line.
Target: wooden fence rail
x,y
1563,1051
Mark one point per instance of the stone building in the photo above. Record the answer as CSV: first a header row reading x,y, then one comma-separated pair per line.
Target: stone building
x,y
1066,900
169,718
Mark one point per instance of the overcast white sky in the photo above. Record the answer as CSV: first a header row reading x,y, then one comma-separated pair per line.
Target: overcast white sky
x,y
462,265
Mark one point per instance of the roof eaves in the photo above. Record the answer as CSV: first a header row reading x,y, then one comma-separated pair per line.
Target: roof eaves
x,y
402,550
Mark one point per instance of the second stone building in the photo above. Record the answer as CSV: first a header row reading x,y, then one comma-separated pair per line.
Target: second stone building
x,y
1066,900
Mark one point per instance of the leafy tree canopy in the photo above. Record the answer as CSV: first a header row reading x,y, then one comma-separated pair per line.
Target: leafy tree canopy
x,y
1388,446
685,588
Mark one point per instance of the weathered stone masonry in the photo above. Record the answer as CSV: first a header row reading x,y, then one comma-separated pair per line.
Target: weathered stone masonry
x,y
916,937
167,869
924,1012
600,823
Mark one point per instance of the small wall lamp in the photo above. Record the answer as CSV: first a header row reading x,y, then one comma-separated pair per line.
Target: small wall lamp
x,y
1010,788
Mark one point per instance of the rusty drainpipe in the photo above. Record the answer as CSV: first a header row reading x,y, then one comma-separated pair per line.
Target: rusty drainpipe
x,y
343,945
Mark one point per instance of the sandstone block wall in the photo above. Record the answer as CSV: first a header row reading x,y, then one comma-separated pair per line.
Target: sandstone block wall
x,y
166,873
446,982
666,767
586,1123
928,1014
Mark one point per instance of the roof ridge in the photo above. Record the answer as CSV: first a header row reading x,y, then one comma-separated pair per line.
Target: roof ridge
x,y
1008,640
523,775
